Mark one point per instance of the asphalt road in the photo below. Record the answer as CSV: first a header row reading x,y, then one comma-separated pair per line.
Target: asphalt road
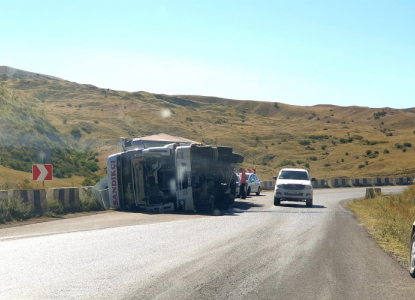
x,y
254,251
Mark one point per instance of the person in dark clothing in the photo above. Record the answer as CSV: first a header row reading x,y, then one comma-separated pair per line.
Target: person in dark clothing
x,y
233,183
242,191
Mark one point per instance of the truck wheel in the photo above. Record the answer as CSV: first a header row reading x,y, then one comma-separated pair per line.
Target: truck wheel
x,y
277,201
237,158
205,151
232,199
224,150
412,257
222,205
248,191
259,191
309,202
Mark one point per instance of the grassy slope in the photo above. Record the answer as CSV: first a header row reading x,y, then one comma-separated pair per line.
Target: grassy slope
x,y
389,220
266,135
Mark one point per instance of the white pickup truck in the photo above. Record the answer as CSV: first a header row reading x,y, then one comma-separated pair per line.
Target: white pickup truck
x,y
293,184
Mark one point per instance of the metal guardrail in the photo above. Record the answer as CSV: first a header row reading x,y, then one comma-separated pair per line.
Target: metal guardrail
x,y
350,182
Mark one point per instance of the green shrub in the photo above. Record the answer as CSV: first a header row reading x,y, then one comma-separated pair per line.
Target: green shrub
x,y
14,209
86,130
304,142
286,162
89,203
379,114
313,158
386,151
76,133
88,182
53,208
406,144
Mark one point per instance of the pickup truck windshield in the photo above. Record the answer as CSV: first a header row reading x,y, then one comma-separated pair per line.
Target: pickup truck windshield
x,y
296,175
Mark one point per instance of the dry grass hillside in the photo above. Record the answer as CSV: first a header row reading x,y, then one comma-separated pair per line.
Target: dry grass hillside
x,y
331,141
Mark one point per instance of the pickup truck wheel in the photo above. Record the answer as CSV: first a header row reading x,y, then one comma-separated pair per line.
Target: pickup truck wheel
x,y
248,191
412,257
309,202
259,191
277,201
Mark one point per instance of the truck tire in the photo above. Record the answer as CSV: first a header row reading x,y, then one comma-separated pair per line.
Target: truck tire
x,y
277,201
205,151
309,202
222,205
203,208
412,257
237,158
224,150
231,199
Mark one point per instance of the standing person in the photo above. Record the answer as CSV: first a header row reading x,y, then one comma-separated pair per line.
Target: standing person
x,y
242,192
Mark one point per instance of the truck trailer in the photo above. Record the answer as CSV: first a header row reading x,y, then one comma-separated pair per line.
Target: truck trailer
x,y
174,177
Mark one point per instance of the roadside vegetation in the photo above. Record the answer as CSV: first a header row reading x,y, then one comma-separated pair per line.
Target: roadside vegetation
x,y
389,219
66,162
16,209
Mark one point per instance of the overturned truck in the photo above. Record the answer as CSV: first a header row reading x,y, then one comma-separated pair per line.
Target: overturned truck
x,y
174,177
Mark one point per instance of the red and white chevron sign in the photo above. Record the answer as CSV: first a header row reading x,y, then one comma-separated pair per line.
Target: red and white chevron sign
x,y
249,170
42,172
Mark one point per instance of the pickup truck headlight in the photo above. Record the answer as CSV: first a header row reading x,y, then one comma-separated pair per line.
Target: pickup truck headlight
x,y
308,187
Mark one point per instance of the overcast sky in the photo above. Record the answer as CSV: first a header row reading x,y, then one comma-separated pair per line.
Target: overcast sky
x,y
295,52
